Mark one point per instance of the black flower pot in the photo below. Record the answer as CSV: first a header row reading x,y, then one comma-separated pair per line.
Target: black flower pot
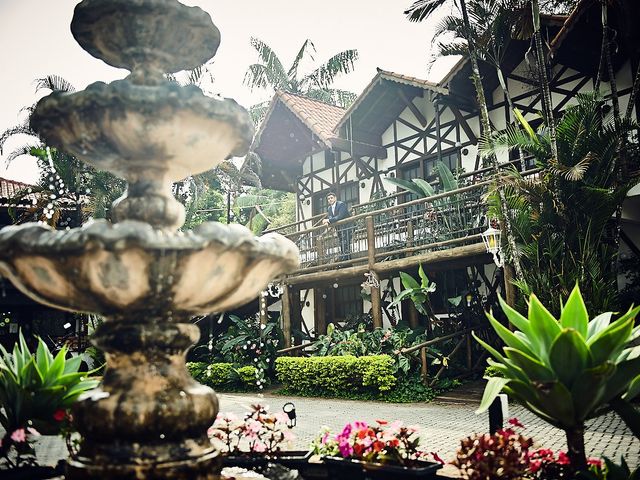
x,y
293,459
33,472
349,469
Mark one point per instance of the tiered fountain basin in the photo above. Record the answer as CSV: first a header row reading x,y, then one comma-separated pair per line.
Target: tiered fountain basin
x,y
129,266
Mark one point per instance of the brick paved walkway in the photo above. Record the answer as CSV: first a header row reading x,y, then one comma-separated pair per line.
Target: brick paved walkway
x,y
444,421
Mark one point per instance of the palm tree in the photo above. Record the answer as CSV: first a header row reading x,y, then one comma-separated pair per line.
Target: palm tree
x,y
68,191
420,11
271,74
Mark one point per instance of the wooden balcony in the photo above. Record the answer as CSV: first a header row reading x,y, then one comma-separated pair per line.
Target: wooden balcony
x,y
388,234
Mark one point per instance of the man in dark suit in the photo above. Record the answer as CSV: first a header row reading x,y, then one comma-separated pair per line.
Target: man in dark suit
x,y
338,210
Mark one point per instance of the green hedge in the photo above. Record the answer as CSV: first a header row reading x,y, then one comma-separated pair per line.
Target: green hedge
x,y
336,376
224,376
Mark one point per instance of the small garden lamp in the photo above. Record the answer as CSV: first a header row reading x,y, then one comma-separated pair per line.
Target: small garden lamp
x,y
290,409
491,239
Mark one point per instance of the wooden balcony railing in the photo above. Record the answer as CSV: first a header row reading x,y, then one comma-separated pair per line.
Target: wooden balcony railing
x,y
438,222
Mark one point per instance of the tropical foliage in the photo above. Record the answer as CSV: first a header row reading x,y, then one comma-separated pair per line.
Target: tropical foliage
x,y
270,74
418,293
35,391
569,369
562,219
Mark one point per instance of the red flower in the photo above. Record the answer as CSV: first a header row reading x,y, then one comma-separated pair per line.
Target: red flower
x,y
59,415
563,459
515,422
382,422
594,462
378,446
437,458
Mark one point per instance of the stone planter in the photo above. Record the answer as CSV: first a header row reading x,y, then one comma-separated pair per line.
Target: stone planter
x,y
349,469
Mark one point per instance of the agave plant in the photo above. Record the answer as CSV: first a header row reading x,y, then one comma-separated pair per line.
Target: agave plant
x,y
34,388
567,370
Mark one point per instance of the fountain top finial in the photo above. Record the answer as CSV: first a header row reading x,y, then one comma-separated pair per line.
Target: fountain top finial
x,y
161,36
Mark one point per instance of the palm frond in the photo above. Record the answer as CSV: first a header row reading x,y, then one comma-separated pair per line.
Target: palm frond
x,y
333,96
55,83
21,129
258,111
572,173
325,75
22,150
309,49
422,9
274,73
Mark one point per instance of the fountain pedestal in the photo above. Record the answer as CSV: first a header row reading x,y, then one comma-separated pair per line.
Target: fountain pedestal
x,y
148,419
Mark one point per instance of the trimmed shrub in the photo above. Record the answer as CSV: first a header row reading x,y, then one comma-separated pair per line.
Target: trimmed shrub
x,y
224,376
336,376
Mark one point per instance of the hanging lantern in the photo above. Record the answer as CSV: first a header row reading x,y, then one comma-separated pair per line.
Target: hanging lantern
x,y
491,238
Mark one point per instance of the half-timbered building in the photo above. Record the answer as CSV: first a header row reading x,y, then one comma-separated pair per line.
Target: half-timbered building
x,y
400,127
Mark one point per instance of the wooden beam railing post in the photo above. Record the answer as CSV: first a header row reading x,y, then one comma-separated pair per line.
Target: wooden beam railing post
x,y
409,233
376,303
286,316
423,365
469,351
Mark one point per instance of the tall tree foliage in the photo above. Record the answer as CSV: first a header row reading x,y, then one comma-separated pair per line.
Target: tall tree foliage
x,y
557,249
468,31
270,74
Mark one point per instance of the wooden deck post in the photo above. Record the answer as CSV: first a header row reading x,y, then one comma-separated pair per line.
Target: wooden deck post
x,y
286,316
423,365
410,233
296,314
469,345
376,303
320,312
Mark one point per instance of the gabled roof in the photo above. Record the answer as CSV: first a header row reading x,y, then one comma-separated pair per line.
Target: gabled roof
x,y
9,188
392,77
319,117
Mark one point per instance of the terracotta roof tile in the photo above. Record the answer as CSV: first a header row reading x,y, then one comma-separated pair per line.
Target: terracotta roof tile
x,y
8,188
320,117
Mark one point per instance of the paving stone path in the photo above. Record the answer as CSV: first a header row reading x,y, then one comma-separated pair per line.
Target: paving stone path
x,y
444,422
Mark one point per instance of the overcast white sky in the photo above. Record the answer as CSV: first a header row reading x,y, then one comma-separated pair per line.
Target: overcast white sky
x,y
35,41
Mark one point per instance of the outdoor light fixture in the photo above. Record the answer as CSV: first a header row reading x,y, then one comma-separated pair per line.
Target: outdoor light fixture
x,y
290,409
491,239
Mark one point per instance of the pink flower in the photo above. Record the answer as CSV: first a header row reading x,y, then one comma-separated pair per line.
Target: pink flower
x,y
259,447
19,435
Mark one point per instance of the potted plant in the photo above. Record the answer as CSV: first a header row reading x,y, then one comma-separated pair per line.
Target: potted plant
x,y
35,392
256,439
380,451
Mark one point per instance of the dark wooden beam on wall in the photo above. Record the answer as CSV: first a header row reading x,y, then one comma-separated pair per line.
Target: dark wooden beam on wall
x,y
358,148
463,124
412,107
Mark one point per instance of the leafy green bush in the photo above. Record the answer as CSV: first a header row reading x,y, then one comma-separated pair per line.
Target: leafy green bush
x,y
377,342
492,371
243,341
224,376
333,376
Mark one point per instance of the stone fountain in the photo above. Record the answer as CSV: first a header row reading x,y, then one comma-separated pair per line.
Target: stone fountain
x,y
148,419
